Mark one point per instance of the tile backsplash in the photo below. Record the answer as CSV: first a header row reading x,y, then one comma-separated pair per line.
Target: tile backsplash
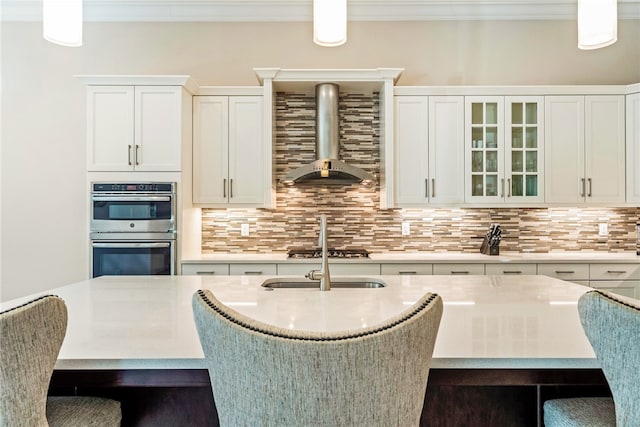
x,y
356,221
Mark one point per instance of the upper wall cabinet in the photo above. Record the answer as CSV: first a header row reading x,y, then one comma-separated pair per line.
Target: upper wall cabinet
x,y
229,151
585,155
136,128
504,149
429,150
633,148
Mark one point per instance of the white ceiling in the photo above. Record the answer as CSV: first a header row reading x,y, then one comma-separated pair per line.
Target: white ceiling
x,y
300,10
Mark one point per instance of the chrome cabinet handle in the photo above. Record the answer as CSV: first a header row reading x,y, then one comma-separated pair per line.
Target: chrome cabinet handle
x,y
224,188
565,272
589,194
509,187
616,271
205,273
129,155
512,272
426,188
459,272
137,154
231,187
583,187
253,273
502,189
407,272
433,187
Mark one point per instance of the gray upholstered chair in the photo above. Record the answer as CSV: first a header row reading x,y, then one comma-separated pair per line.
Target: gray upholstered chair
x,y
270,376
31,336
612,324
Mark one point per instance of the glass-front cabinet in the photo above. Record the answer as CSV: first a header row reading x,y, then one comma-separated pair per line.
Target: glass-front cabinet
x,y
504,149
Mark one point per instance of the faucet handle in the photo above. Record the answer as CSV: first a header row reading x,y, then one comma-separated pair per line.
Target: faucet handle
x,y
311,275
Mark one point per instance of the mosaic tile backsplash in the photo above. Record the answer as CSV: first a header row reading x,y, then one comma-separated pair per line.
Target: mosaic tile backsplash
x,y
356,221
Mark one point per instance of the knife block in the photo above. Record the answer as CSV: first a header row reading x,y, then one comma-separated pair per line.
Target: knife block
x,y
488,250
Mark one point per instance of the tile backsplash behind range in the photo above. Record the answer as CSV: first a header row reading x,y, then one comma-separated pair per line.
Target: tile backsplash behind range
x,y
354,217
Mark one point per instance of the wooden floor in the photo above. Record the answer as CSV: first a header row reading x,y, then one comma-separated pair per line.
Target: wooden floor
x,y
455,397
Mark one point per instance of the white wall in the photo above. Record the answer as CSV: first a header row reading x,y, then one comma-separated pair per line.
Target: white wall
x,y
43,179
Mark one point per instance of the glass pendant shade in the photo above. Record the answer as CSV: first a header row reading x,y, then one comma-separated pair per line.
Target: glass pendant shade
x,y
62,22
329,22
597,23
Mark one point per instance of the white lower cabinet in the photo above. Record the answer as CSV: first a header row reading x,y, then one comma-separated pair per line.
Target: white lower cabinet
x,y
629,288
510,269
406,269
458,269
577,273
205,269
251,269
300,269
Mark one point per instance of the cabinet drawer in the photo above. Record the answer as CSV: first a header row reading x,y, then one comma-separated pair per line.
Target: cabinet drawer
x,y
394,269
615,271
510,269
629,288
252,269
295,269
205,269
569,272
458,269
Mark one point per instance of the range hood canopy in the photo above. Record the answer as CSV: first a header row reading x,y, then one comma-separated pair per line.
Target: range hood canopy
x,y
328,169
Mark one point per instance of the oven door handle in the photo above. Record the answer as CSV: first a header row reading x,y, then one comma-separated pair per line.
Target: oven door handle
x,y
131,199
131,245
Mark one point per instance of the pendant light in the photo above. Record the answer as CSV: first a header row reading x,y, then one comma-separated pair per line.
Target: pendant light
x,y
62,22
597,23
329,22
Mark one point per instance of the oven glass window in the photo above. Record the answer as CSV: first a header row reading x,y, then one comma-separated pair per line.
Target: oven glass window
x,y
124,261
131,210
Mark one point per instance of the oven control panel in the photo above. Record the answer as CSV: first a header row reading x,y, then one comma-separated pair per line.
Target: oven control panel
x,y
146,187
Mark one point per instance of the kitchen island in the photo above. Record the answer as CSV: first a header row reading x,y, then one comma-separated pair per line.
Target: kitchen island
x,y
514,339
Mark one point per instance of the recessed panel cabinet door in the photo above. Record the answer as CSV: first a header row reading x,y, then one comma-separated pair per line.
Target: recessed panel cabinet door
x,y
604,149
564,150
110,128
210,149
246,151
411,151
158,128
446,150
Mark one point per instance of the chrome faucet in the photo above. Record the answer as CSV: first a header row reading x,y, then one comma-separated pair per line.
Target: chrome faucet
x,y
322,275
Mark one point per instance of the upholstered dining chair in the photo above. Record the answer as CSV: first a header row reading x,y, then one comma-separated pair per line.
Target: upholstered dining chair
x,y
612,325
30,339
270,376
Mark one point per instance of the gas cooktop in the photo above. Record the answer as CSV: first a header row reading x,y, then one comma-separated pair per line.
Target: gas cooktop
x,y
332,253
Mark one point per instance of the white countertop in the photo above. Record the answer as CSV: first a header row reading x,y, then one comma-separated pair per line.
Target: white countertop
x,y
440,257
144,322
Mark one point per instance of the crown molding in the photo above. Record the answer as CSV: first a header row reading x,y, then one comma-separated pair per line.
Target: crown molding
x,y
301,10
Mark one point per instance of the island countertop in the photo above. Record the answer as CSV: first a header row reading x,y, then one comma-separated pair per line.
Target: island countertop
x,y
500,322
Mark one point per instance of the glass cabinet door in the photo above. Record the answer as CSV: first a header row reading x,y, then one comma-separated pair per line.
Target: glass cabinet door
x,y
524,157
484,118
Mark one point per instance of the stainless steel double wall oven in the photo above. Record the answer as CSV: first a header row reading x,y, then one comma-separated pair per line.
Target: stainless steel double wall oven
x,y
133,228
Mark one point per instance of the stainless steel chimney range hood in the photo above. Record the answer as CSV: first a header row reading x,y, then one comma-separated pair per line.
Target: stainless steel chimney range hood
x,y
328,169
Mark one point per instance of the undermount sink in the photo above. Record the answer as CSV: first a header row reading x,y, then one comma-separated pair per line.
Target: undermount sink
x,y
338,282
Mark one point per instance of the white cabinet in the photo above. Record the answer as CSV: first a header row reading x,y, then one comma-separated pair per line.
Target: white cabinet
x,y
205,269
228,151
623,279
336,269
136,128
252,269
585,155
633,148
458,269
406,269
510,269
577,273
504,149
429,150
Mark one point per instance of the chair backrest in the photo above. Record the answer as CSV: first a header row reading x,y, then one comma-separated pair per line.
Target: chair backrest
x,y
31,336
612,325
265,375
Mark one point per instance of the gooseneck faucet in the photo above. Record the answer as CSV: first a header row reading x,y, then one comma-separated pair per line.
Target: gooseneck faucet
x,y
322,275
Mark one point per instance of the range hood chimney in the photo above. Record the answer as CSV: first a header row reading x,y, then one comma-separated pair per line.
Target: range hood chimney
x,y
328,168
